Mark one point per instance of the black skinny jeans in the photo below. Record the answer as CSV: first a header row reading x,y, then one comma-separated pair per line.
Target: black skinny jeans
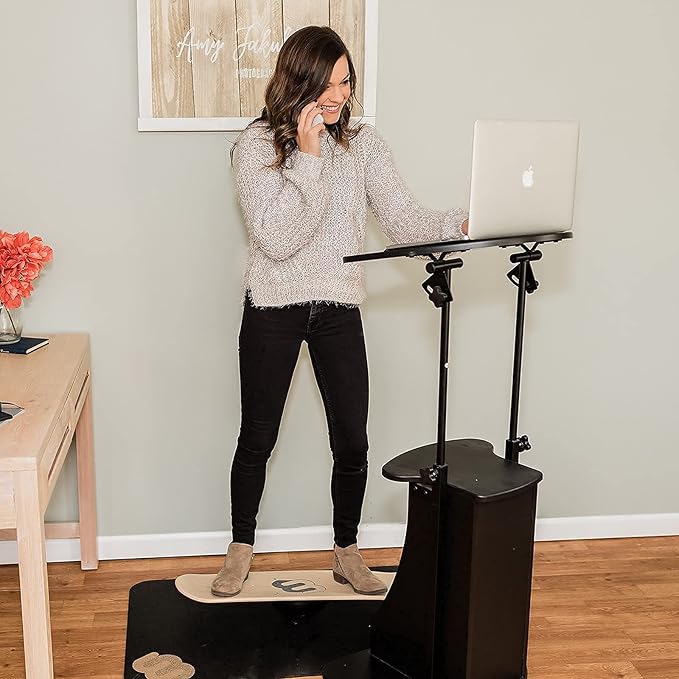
x,y
269,344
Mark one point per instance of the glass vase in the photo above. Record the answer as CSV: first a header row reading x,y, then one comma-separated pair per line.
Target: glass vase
x,y
11,324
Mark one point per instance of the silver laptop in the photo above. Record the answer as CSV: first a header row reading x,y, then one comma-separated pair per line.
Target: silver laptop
x,y
523,178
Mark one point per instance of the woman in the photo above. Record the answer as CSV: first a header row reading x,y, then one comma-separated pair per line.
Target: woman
x,y
304,183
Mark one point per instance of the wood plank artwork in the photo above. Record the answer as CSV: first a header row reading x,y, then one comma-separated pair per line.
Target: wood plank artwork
x,y
260,36
213,58
215,86
172,78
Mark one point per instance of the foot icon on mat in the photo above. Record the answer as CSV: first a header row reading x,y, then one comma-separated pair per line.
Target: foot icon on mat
x,y
155,666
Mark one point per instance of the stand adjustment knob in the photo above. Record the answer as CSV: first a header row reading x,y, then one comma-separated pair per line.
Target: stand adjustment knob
x,y
515,446
429,474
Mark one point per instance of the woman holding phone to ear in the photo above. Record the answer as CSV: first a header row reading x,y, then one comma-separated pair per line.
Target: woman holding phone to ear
x,y
305,178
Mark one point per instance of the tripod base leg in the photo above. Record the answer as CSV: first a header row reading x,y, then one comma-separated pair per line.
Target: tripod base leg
x,y
361,665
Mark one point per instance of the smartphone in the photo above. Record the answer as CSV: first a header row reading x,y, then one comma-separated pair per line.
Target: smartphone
x,y
318,118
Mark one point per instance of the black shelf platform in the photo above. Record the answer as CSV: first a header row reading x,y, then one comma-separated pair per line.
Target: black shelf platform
x,y
473,468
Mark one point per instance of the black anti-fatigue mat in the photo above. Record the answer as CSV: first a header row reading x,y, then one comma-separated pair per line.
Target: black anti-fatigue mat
x,y
238,640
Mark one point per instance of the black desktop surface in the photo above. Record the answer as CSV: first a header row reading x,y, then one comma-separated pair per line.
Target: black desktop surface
x,y
419,249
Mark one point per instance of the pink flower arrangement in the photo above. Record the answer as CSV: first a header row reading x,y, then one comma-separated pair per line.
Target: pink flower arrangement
x,y
21,260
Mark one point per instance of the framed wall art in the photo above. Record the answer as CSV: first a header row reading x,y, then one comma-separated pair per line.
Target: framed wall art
x,y
204,64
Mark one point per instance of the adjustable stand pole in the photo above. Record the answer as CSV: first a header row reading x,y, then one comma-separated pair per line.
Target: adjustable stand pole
x,y
522,276
437,287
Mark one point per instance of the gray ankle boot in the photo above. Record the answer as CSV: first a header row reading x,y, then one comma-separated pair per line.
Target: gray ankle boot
x,y
234,572
348,567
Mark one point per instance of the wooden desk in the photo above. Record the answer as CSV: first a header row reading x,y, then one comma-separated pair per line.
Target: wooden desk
x,y
53,384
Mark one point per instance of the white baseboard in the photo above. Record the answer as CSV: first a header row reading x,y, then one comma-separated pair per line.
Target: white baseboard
x,y
308,538
617,526
311,538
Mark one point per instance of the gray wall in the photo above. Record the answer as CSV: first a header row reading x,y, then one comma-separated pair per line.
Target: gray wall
x,y
149,247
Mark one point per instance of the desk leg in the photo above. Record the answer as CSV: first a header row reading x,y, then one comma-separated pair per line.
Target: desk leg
x,y
87,497
35,605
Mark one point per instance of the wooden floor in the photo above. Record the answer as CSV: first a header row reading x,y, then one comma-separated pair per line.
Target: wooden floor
x,y
603,609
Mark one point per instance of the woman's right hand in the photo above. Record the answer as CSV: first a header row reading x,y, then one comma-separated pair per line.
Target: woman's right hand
x,y
308,134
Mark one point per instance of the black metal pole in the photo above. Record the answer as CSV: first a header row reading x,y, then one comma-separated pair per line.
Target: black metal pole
x,y
518,351
522,276
443,378
438,289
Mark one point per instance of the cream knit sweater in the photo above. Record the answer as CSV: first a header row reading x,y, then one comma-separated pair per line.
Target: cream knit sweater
x,y
303,219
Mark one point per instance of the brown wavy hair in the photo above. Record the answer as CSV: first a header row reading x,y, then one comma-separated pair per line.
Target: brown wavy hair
x,y
302,72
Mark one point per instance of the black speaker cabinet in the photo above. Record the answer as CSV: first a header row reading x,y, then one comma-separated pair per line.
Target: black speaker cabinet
x,y
460,602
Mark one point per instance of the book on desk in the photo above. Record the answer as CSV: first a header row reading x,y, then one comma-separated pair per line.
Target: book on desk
x,y
24,346
9,411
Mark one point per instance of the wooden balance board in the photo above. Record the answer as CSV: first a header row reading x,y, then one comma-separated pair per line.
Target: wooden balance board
x,y
278,586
